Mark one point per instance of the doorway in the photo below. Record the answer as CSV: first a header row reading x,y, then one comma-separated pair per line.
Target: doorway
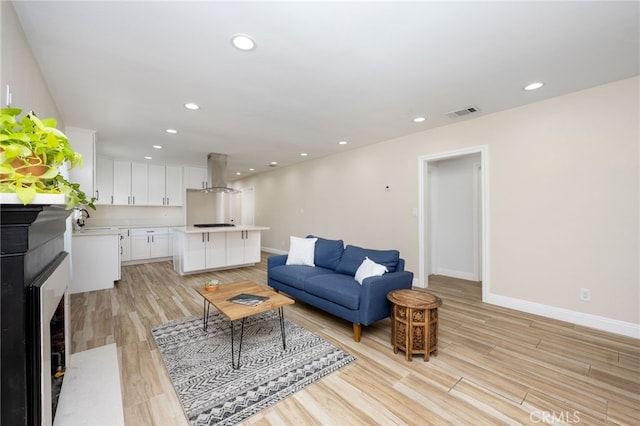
x,y
453,215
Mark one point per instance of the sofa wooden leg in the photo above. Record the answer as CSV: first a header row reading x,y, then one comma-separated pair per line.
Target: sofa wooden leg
x,y
357,332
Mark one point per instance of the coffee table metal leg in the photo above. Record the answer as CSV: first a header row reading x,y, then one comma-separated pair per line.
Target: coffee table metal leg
x,y
284,341
233,362
205,314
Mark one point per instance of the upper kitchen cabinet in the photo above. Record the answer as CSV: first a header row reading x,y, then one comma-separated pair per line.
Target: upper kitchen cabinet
x,y
130,182
165,185
104,181
84,142
195,177
139,184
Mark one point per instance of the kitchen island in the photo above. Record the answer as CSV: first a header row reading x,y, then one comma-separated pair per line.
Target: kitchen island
x,y
197,249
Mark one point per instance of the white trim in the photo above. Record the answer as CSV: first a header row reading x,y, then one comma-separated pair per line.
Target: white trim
x,y
274,250
463,275
39,199
483,150
579,318
477,226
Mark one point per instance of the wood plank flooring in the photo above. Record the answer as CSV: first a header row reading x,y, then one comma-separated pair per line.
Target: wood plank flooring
x,y
494,365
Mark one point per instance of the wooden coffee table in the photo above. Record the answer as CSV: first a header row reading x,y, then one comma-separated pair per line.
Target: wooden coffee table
x,y
236,311
414,316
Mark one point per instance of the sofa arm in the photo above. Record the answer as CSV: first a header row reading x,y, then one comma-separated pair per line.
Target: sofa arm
x,y
374,305
277,260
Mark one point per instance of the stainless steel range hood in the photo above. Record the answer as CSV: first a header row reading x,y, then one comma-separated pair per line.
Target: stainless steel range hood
x,y
216,174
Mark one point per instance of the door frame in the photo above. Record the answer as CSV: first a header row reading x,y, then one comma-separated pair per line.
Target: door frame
x,y
424,239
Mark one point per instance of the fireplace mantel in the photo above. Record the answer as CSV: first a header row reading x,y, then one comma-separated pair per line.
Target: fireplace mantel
x,y
31,246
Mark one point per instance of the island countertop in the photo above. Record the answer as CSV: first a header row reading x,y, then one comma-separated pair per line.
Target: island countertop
x,y
237,228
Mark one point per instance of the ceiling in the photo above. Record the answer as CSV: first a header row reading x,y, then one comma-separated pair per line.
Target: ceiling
x,y
321,72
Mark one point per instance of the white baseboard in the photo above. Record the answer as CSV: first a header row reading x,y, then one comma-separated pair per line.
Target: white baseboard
x,y
600,323
456,274
273,250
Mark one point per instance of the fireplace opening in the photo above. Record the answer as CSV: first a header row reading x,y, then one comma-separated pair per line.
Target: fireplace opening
x,y
58,366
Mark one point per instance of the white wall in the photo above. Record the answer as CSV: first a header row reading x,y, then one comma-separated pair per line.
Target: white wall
x,y
19,69
135,216
452,219
563,210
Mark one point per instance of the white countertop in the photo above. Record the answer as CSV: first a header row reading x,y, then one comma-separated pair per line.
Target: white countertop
x,y
237,228
96,230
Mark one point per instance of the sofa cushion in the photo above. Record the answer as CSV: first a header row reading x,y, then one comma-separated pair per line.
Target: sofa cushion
x,y
295,275
369,268
301,251
353,256
340,289
328,252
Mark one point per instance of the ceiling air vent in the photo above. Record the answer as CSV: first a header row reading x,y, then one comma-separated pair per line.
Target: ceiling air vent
x,y
462,112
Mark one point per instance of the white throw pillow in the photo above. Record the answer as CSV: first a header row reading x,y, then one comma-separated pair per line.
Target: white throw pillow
x,y
369,268
301,251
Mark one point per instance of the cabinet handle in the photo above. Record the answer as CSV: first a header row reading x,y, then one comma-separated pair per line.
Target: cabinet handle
x,y
134,199
97,195
167,200
112,199
203,237
128,199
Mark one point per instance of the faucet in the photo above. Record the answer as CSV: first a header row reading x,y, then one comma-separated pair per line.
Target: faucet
x,y
81,216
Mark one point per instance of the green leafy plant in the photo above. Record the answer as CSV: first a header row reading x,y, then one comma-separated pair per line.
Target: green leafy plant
x,y
31,153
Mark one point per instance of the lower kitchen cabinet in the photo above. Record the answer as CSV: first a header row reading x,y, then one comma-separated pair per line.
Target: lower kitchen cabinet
x,y
95,259
149,243
125,245
201,251
243,247
204,250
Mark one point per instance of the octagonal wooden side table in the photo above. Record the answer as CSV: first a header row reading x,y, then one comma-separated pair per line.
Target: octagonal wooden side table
x,y
414,322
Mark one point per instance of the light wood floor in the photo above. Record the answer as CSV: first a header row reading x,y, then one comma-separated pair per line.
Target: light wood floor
x,y
494,366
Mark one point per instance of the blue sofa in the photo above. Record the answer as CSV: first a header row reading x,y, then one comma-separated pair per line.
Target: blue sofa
x,y
330,285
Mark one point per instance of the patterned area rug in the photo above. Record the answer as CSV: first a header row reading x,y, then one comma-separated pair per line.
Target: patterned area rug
x,y
213,393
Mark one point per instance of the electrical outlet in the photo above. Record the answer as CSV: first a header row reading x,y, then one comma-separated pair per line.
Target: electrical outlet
x,y
585,294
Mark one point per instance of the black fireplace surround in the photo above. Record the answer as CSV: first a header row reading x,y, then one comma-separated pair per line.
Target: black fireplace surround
x,y
31,247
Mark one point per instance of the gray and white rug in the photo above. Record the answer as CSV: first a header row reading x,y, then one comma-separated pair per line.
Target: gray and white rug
x,y
213,393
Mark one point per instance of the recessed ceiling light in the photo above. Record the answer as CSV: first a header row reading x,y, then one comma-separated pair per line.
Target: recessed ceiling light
x,y
418,119
243,42
172,131
533,86
252,169
303,154
342,143
238,173
191,105
157,146
148,158
273,164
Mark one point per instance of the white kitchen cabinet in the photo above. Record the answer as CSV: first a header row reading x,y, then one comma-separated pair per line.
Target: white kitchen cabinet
x,y
139,184
104,181
130,181
173,186
165,185
95,260
195,177
243,247
125,244
200,251
149,243
157,182
204,250
121,183
83,141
